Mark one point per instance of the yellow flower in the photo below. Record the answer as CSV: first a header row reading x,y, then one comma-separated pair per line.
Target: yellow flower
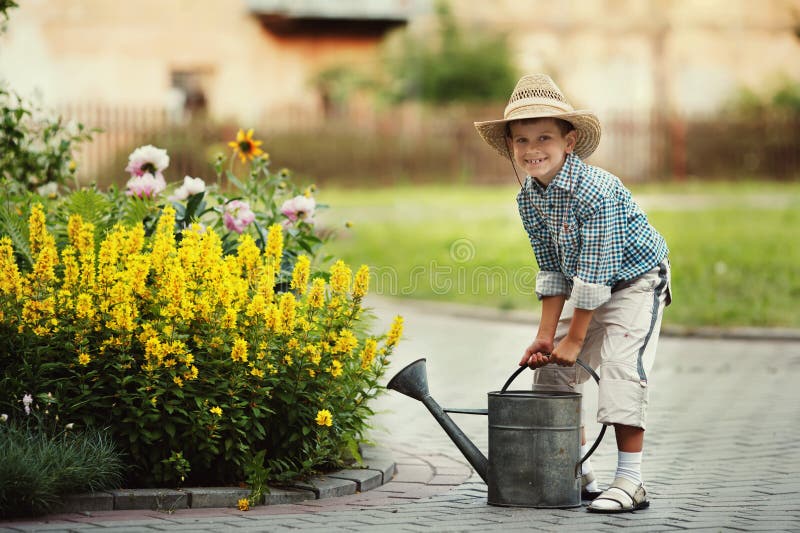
x,y
244,504
239,351
361,283
336,368
274,248
246,146
11,281
346,342
368,355
37,230
300,274
288,310
257,372
313,352
83,358
324,418
216,410
316,296
340,277
395,332
178,381
287,360
229,320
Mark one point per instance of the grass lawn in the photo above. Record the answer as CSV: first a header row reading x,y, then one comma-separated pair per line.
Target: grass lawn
x,y
733,246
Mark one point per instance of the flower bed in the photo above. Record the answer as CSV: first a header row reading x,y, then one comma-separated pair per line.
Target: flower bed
x,y
200,330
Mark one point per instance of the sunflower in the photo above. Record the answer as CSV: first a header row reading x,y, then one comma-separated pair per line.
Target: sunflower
x,y
246,146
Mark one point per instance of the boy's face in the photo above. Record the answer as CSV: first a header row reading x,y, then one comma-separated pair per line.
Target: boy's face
x,y
539,148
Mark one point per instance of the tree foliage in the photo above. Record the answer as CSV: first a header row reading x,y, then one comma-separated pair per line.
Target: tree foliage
x,y
455,64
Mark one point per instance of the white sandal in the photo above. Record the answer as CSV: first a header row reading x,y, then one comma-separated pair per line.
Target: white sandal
x,y
587,494
630,497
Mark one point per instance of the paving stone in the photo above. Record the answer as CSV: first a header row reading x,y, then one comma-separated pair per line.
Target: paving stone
x,y
380,459
86,502
283,495
327,487
204,497
154,499
413,473
365,479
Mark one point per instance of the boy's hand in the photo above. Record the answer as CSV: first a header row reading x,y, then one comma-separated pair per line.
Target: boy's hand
x,y
537,354
566,353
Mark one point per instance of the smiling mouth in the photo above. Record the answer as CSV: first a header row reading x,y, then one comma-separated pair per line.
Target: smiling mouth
x,y
534,161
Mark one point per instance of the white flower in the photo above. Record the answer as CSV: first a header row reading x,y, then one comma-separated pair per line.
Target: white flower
x,y
299,208
70,425
147,160
190,186
27,400
4,418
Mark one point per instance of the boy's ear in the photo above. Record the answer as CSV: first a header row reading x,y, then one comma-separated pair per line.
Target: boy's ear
x,y
572,140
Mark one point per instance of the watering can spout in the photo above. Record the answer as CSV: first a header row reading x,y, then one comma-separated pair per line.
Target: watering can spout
x,y
413,381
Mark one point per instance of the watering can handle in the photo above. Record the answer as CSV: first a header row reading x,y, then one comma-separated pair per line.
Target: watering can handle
x,y
592,373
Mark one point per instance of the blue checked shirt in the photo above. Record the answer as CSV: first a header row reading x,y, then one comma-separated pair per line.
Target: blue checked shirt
x,y
587,234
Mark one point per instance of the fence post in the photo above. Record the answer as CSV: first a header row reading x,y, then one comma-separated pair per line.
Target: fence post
x,y
677,129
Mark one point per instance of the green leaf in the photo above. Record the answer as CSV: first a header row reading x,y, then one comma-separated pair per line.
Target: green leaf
x,y
16,228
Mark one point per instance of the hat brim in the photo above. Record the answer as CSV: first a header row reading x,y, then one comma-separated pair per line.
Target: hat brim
x,y
585,122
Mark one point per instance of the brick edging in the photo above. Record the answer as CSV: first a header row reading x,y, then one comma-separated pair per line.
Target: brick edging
x,y
379,468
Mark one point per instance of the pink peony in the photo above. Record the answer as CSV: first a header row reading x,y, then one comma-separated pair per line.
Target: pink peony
x,y
238,215
190,186
299,208
147,160
146,185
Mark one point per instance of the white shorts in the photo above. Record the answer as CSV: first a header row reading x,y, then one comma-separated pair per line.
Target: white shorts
x,y
620,345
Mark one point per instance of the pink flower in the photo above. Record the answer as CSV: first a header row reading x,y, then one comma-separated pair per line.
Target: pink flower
x,y
238,215
147,160
190,186
299,208
146,185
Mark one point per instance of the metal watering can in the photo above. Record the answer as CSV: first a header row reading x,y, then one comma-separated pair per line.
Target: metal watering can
x,y
534,440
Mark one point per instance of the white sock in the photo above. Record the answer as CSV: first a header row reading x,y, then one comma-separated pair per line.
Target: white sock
x,y
629,466
586,467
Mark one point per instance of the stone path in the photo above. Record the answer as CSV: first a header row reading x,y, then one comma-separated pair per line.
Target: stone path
x,y
720,450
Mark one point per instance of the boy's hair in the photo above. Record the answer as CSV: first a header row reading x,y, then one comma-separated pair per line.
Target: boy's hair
x,y
564,126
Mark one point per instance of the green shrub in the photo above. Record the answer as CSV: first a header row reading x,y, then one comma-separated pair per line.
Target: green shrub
x,y
38,467
198,330
35,150
456,66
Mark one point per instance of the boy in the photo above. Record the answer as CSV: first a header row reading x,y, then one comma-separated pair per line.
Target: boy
x,y
603,272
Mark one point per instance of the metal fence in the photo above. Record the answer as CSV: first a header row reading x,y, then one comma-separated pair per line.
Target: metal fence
x,y
416,144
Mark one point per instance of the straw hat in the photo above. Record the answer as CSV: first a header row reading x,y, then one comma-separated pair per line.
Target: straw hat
x,y
537,96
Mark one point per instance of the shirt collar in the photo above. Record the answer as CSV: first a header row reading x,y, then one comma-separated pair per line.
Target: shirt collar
x,y
566,177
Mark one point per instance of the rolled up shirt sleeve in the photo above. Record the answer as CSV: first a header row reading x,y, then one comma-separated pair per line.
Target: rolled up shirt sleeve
x,y
549,283
602,249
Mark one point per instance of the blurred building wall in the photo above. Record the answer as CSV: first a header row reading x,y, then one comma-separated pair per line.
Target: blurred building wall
x,y
156,52
642,55
609,55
